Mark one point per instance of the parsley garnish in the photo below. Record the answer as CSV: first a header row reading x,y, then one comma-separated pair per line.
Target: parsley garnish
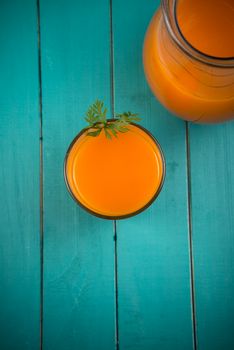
x,y
97,120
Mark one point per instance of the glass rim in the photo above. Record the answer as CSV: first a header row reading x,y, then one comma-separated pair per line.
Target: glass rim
x,y
174,30
124,216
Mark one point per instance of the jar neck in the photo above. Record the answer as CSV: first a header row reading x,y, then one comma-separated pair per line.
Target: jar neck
x,y
169,15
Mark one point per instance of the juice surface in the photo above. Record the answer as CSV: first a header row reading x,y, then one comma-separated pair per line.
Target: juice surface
x,y
115,177
189,89
208,25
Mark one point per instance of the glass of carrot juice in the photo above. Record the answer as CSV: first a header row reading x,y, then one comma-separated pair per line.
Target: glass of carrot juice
x,y
189,58
117,178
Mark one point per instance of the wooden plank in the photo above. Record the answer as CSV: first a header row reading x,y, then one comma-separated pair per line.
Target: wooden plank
x,y
153,249
19,177
78,248
212,174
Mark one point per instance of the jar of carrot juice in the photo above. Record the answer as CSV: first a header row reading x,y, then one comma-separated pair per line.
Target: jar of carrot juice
x,y
188,58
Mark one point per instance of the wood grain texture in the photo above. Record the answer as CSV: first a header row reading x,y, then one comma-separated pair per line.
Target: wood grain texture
x,y
153,252
78,248
19,177
154,282
212,179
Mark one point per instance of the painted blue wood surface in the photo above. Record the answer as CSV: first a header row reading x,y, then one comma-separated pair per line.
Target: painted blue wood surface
x,y
212,175
79,300
19,177
153,250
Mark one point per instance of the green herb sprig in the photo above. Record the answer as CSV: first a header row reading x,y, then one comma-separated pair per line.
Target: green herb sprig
x,y
97,120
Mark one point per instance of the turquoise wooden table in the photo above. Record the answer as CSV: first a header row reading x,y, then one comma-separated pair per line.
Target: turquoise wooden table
x,y
161,280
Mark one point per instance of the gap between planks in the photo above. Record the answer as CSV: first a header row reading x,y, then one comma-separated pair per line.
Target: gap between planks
x,y
191,257
112,103
40,174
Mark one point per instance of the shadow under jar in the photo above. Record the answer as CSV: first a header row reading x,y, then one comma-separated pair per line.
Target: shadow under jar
x,y
189,58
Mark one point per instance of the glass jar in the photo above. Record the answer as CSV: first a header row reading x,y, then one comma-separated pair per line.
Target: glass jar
x,y
194,85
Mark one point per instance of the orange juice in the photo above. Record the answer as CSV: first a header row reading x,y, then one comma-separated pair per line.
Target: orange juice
x,y
208,25
189,59
115,178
